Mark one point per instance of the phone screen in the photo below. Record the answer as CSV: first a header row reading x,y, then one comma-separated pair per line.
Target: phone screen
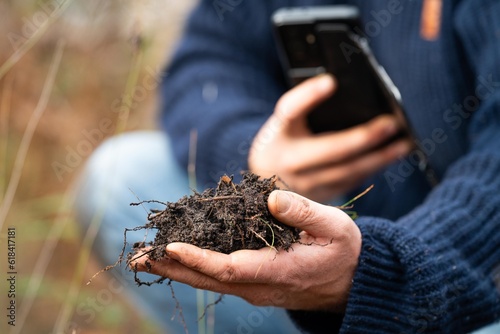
x,y
361,94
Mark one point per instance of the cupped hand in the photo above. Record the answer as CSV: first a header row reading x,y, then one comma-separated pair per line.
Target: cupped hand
x,y
321,166
316,274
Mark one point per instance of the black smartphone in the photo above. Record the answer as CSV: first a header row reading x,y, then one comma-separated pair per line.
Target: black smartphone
x,y
328,39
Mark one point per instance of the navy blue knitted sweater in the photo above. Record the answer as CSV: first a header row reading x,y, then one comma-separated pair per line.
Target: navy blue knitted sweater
x,y
430,258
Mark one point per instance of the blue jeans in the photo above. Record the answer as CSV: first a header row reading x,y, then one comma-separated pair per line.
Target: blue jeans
x,y
141,165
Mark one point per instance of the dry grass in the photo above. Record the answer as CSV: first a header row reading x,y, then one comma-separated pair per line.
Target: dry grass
x,y
100,50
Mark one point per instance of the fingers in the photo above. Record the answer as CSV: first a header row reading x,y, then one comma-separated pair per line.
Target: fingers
x,y
209,270
318,220
351,173
259,294
344,145
299,101
168,267
214,264
238,267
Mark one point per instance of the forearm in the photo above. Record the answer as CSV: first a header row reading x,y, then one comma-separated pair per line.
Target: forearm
x,y
434,269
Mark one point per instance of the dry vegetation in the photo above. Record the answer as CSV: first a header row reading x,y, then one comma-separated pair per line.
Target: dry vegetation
x,y
102,43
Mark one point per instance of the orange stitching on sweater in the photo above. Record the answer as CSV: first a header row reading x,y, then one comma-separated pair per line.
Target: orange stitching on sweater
x,y
431,19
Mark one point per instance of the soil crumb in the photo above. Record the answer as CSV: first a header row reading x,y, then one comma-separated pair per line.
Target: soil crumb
x,y
225,219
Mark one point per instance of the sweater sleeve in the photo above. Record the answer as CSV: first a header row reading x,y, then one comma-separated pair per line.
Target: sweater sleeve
x,y
437,269
223,82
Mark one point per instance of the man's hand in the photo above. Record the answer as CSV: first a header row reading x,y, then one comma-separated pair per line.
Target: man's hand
x,y
321,166
316,274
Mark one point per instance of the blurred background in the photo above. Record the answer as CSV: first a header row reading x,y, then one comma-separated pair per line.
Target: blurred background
x,y
72,73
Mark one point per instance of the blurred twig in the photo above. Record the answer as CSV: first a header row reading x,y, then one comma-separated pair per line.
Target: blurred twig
x,y
28,133
91,233
4,131
43,260
206,311
193,143
200,294
33,39
130,86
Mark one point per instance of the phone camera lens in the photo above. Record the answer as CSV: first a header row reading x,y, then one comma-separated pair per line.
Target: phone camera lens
x,y
310,39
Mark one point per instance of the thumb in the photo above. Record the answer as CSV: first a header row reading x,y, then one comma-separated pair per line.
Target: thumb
x,y
316,219
302,99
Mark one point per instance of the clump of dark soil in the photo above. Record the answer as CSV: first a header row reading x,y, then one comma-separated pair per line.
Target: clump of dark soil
x,y
228,218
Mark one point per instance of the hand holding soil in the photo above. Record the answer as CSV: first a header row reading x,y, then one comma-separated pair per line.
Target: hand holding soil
x,y
315,273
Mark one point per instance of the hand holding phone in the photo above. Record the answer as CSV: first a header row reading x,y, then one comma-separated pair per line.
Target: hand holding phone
x,y
327,39
321,166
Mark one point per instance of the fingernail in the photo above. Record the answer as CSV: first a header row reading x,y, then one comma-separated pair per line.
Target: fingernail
x,y
283,201
325,82
391,127
402,148
173,255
